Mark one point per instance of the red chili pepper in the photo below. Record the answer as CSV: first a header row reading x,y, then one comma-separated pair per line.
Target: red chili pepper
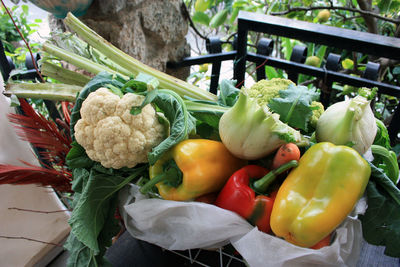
x,y
239,194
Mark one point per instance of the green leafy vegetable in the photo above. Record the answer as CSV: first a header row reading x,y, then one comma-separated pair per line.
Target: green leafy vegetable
x,y
90,213
381,221
228,93
294,105
387,161
382,137
81,255
174,109
92,221
77,157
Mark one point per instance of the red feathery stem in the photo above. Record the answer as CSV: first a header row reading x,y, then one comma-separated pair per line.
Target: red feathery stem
x,y
31,174
63,125
41,133
66,111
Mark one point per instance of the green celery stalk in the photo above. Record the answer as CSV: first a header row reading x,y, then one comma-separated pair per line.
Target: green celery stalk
x,y
46,91
68,92
199,107
63,75
76,60
74,44
124,60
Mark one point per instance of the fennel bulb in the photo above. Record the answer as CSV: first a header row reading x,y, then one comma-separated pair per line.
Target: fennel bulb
x,y
350,122
251,132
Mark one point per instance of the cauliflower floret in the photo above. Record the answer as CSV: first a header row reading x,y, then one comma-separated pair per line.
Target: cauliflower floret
x,y
318,109
264,90
99,105
113,136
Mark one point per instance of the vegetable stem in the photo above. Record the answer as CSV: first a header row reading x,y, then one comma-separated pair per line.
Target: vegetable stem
x,y
76,60
289,115
346,126
171,175
262,184
124,60
63,75
390,160
46,91
198,106
149,185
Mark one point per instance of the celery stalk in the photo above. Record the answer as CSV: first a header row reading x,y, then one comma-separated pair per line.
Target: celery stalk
x,y
72,43
46,91
63,75
76,60
203,107
124,60
68,92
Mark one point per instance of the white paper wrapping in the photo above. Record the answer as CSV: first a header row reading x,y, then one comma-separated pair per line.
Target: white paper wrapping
x,y
178,225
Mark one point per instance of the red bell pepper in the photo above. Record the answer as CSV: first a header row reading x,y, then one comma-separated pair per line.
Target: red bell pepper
x,y
239,194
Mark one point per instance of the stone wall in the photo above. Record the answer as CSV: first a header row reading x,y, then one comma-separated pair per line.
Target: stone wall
x,y
153,32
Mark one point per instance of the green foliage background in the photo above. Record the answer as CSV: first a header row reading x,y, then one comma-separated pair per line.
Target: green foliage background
x,y
10,37
219,18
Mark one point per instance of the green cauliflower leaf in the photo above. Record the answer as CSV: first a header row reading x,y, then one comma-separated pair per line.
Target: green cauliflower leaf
x,y
294,106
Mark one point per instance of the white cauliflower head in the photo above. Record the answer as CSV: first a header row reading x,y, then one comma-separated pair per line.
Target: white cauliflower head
x,y
111,135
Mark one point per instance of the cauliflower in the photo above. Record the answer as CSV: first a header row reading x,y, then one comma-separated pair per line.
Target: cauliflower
x,y
111,135
264,90
318,109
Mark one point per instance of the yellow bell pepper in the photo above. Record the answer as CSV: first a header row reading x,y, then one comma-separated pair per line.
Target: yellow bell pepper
x,y
192,168
318,195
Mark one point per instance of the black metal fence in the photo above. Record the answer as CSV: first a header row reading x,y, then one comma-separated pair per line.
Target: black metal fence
x,y
342,39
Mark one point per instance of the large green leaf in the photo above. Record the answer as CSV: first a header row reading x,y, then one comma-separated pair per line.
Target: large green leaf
x,y
77,157
201,17
228,92
182,123
92,209
219,18
294,105
381,221
271,72
80,255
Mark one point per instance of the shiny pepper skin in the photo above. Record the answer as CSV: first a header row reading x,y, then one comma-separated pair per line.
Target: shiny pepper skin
x,y
239,197
318,195
206,166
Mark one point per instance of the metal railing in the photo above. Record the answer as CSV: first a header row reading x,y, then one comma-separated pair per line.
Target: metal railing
x,y
342,39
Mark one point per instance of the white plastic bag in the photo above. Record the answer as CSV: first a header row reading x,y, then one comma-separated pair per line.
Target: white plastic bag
x,y
178,225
